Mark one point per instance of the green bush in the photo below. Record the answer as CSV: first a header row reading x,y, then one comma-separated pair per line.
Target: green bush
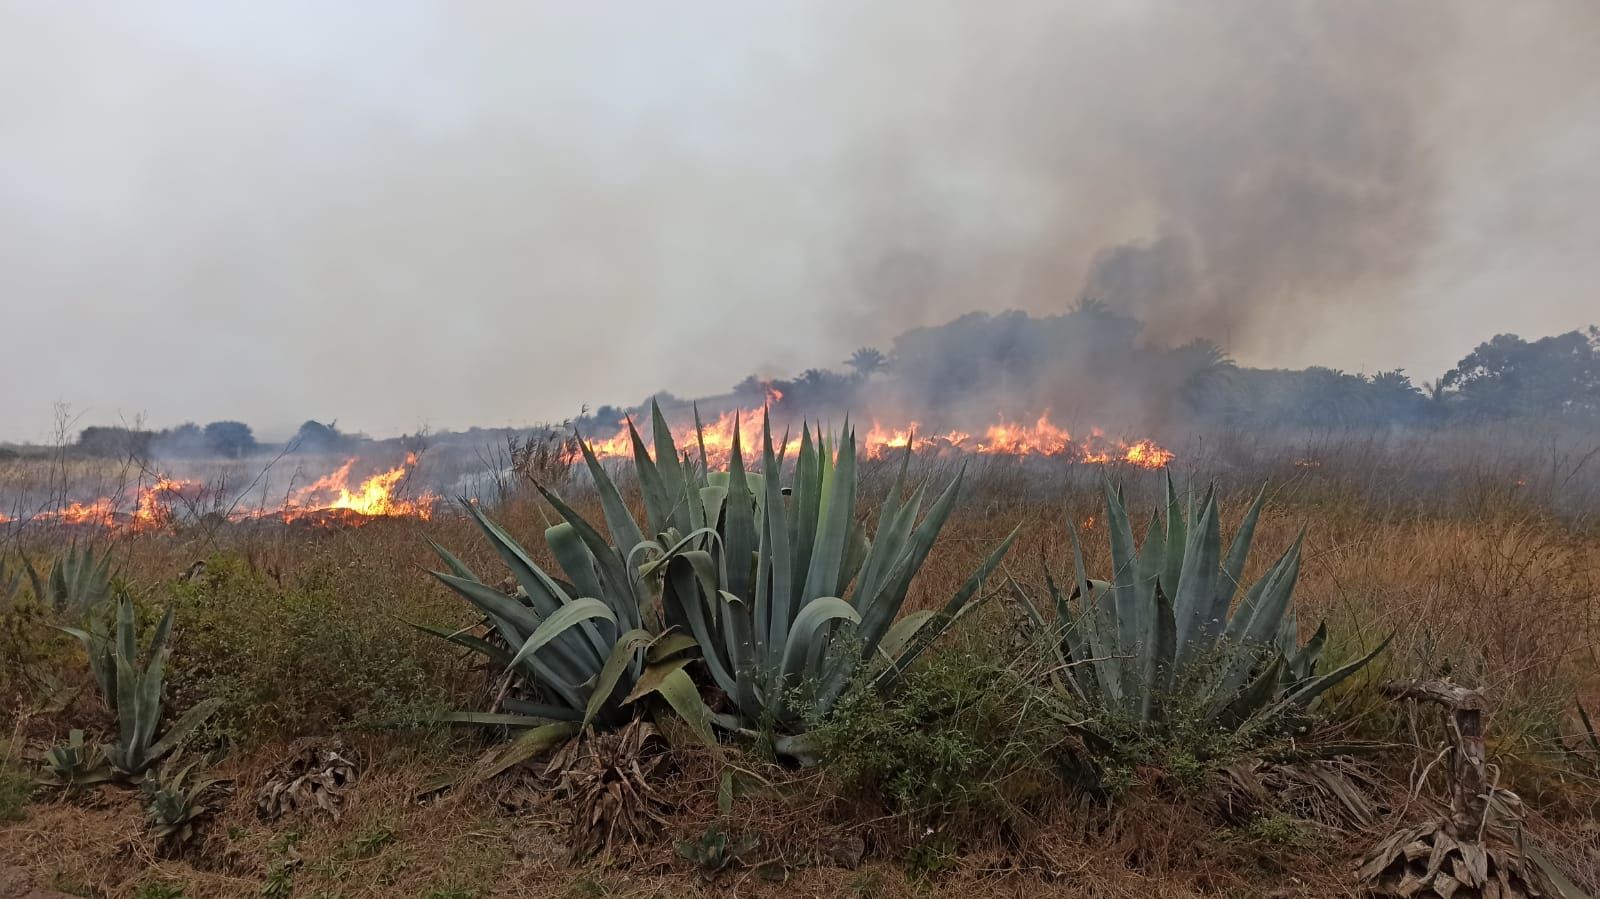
x,y
299,657
15,787
964,734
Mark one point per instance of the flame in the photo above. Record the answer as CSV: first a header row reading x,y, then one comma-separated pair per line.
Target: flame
x,y
152,504
1042,437
1146,454
373,498
101,512
716,436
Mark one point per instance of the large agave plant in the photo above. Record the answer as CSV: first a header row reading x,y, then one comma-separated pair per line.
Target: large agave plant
x,y
1165,627
762,595
586,642
782,589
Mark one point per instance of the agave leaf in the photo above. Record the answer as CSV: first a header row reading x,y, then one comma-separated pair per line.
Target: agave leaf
x,y
882,607
456,566
1275,599
657,503
651,678
1195,606
673,480
627,647
575,560
778,612
180,729
566,657
1303,661
1131,620
804,514
740,533
946,617
900,634
679,692
669,645
1099,647
619,521
1177,536
827,560
1079,678
607,559
499,655
528,745
1239,550
1254,697
1160,674
570,615
812,618
681,596
1303,695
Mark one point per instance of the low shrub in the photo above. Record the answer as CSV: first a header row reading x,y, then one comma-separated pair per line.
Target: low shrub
x,y
965,735
299,657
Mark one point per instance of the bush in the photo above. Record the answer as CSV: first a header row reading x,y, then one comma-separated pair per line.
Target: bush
x,y
299,658
965,735
15,787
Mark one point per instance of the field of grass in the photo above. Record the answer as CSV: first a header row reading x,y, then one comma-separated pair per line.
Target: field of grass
x,y
972,780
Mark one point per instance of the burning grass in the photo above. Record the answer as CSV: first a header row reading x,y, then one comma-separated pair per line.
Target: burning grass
x,y
302,631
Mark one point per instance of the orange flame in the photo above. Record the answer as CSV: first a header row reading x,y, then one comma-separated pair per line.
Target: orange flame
x,y
374,497
152,504
1005,438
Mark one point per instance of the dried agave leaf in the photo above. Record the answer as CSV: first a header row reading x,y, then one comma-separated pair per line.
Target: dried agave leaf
x,y
607,781
1429,862
314,778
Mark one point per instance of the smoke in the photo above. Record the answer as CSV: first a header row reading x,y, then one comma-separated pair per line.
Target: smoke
x,y
493,213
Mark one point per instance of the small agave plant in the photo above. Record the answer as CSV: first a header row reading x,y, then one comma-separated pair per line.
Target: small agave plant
x,y
76,764
179,794
1164,628
134,690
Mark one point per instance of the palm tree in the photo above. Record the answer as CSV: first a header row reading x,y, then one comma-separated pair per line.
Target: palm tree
x,y
867,361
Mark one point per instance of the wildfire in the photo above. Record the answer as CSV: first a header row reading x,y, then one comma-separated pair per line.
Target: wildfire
x,y
330,497
374,497
1042,438
153,507
1006,438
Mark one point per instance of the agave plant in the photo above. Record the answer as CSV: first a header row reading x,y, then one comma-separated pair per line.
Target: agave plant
x,y
789,599
585,642
762,595
77,764
102,642
178,802
78,582
135,691
1165,628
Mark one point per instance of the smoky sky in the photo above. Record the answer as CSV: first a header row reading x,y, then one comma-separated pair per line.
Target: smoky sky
x,y
409,213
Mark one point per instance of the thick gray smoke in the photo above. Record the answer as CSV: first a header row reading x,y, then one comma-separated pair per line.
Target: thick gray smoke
x,y
432,212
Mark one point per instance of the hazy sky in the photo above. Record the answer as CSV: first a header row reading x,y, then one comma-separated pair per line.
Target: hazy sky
x,y
398,212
